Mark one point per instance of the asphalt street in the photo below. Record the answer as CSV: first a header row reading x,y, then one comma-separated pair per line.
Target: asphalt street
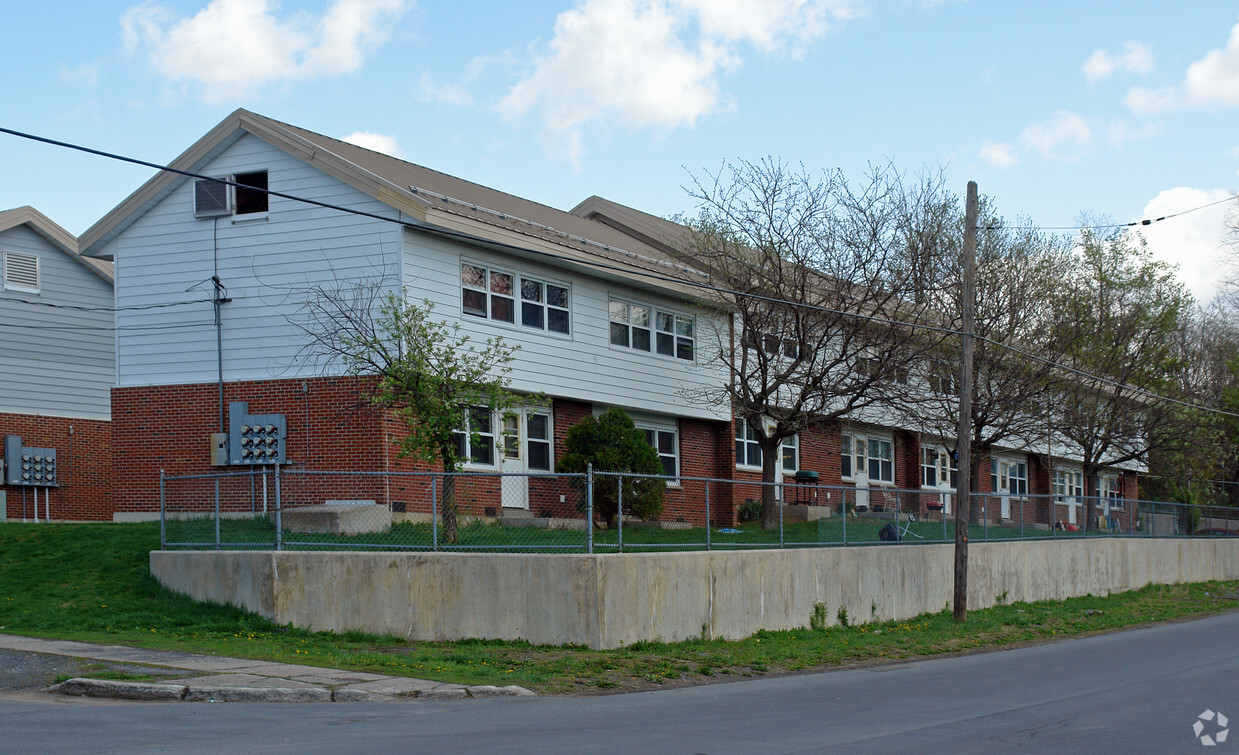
x,y
1133,691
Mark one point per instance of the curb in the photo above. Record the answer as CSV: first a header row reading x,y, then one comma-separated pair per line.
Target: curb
x,y
146,691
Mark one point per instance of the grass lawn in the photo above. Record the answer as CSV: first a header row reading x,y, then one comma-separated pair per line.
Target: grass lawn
x,y
90,582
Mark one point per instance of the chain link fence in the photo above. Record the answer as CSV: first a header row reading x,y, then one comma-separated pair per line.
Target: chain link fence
x,y
347,510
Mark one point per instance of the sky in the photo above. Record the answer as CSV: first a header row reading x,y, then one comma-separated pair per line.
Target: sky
x,y
1108,110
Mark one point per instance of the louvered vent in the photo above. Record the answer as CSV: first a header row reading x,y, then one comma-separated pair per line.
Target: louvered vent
x,y
21,271
210,199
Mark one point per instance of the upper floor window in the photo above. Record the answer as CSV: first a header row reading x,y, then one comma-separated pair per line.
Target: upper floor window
x,y
21,272
644,328
213,198
492,294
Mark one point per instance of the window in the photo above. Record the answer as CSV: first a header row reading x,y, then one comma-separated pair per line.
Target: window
x,y
1068,483
544,306
1008,477
845,456
632,326
664,442
538,440
748,452
881,460
491,294
1111,492
929,466
943,379
250,198
21,272
475,437
780,347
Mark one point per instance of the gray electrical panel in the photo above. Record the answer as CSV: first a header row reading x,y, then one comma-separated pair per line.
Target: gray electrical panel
x,y
26,465
254,438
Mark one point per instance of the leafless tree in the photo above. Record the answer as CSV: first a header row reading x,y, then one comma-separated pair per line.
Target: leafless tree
x,y
825,284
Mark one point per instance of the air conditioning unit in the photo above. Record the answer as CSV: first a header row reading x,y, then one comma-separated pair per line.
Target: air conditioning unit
x,y
211,198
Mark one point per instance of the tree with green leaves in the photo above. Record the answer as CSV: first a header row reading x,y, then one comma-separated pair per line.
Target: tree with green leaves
x,y
426,372
1121,313
612,443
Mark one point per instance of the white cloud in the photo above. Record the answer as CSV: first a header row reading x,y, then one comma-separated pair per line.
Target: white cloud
x,y
656,63
1055,137
998,154
1211,81
87,75
376,142
453,94
1135,58
235,47
1192,241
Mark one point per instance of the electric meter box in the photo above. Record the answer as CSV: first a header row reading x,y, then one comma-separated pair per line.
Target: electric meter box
x,y
29,466
254,439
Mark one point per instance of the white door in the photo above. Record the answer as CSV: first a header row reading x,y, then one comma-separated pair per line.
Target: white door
x,y
860,446
515,493
944,480
525,447
1004,489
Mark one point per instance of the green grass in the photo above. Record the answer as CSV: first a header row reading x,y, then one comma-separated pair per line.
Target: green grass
x,y
90,582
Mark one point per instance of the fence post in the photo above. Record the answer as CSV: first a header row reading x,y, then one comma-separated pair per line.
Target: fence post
x,y
163,516
782,491
279,508
619,513
843,513
1021,519
434,512
36,513
589,508
707,484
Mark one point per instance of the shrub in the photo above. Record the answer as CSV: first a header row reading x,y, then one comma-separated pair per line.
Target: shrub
x,y
612,443
749,511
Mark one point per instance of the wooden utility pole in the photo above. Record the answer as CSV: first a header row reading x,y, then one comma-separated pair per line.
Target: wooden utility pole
x,y
963,441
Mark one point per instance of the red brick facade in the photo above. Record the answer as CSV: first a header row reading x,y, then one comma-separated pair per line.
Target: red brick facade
x,y
83,467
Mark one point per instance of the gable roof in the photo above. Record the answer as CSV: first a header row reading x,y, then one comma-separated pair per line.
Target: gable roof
x,y
57,236
424,199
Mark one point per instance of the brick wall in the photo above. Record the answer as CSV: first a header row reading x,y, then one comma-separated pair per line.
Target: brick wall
x,y
83,467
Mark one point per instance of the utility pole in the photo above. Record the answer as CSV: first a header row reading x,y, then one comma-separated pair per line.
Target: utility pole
x,y
963,442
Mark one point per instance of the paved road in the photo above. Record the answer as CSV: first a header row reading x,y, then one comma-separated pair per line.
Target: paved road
x,y
1137,691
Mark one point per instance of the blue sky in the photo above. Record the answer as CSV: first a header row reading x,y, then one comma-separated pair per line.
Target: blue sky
x,y
1116,110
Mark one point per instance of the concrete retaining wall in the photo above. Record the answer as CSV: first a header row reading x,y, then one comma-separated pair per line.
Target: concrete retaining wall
x,y
606,601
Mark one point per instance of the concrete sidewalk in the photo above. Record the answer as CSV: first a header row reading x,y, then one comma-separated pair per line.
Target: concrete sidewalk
x,y
209,678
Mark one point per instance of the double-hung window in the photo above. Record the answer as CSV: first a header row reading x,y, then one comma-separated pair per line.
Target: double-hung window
x,y
845,456
1111,492
664,441
1068,483
475,437
492,294
881,460
929,466
748,452
643,328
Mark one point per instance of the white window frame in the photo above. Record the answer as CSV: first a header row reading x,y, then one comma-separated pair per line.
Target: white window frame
x,y
656,430
1111,491
846,462
1067,484
744,434
24,259
548,441
659,321
234,203
517,299
875,443
996,482
464,439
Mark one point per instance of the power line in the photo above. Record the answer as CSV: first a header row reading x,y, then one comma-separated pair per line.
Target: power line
x,y
1130,224
631,271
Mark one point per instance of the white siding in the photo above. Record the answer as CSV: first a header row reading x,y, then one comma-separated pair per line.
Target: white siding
x,y
266,265
58,356
582,366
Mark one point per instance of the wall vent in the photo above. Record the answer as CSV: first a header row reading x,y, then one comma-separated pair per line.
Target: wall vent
x,y
211,198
